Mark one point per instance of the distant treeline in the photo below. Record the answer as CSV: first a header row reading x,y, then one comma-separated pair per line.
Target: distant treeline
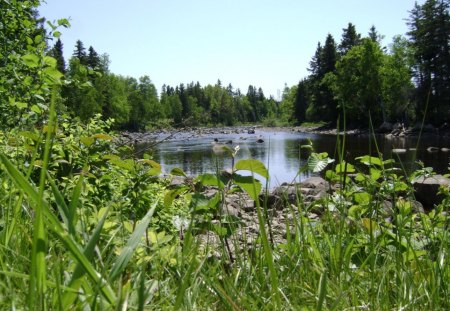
x,y
408,81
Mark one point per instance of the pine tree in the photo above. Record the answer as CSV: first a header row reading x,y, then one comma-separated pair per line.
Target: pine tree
x,y
57,52
93,59
301,101
430,34
350,38
80,52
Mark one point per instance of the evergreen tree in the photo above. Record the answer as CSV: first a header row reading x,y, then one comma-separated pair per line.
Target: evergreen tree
x,y
350,38
57,52
374,35
430,34
93,59
301,101
80,52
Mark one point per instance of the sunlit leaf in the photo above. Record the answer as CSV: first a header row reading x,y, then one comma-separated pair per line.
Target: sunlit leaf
x,y
87,141
178,172
249,184
344,167
252,165
210,180
102,136
31,60
368,160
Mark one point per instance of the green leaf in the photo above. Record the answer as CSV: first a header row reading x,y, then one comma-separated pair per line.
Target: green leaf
x,y
317,162
199,202
87,141
21,105
210,180
36,109
362,197
52,75
249,184
252,165
50,61
102,137
127,252
344,167
155,167
178,172
172,194
368,160
127,164
31,60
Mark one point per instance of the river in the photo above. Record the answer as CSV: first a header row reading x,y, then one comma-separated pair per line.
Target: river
x,y
280,151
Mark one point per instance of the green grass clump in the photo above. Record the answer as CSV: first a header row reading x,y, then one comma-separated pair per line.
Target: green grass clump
x,y
85,225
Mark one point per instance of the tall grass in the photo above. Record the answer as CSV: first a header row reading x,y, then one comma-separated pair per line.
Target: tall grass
x,y
99,238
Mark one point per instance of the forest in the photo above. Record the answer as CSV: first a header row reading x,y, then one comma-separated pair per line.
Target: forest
x,y
89,223
404,82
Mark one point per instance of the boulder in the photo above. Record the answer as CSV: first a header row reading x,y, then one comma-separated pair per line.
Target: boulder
x,y
398,150
426,189
385,127
308,191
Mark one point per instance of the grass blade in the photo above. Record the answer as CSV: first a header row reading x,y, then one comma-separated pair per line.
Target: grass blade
x,y
55,226
125,256
88,252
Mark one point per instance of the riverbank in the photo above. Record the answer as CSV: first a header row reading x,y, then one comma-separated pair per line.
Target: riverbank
x,y
387,129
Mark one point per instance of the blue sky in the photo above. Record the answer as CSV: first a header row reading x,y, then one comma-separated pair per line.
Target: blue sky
x,y
259,42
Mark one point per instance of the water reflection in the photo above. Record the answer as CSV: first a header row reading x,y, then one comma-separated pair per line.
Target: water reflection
x,y
282,154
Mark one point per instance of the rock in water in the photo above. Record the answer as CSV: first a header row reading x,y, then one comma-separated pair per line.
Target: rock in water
x,y
426,189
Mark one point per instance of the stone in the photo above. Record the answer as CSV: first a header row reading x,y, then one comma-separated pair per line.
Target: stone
x,y
385,127
398,150
432,149
426,189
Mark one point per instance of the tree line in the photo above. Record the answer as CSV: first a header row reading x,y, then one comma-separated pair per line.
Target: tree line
x,y
356,78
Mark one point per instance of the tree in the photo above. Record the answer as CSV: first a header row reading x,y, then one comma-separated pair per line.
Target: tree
x,y
357,83
397,84
430,34
323,106
93,59
350,38
57,52
301,101
80,52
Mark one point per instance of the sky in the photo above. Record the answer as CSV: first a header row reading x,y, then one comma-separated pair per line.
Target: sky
x,y
265,43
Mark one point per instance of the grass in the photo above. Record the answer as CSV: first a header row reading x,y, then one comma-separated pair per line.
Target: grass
x,y
84,229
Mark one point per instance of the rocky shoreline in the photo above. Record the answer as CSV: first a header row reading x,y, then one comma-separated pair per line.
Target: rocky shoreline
x,y
288,202
388,129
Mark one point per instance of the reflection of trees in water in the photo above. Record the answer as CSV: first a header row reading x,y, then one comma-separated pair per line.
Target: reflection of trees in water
x,y
285,156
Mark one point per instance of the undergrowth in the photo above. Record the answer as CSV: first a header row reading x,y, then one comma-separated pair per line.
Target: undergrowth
x,y
86,225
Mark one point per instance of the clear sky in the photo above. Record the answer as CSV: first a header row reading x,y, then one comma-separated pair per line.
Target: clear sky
x,y
265,43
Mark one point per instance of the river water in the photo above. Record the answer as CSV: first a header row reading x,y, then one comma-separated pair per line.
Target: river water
x,y
280,151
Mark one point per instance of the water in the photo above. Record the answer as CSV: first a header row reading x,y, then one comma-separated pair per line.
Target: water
x,y
281,152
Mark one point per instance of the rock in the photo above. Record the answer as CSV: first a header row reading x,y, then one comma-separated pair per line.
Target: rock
x,y
231,210
432,149
251,131
260,140
426,189
315,182
177,180
385,127
398,150
308,191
